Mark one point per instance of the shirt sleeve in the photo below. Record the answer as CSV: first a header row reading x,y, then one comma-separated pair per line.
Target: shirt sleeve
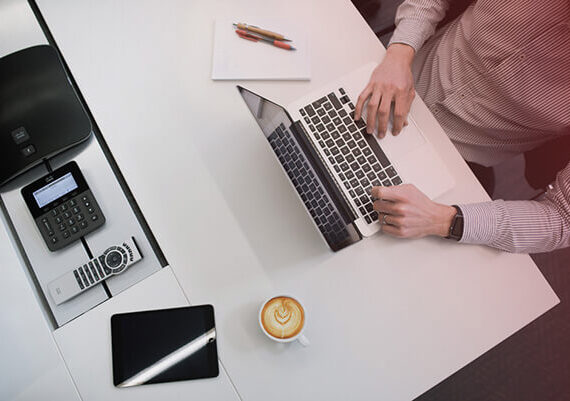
x,y
522,226
416,21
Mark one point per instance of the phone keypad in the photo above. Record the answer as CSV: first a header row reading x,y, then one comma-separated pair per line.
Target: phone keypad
x,y
70,220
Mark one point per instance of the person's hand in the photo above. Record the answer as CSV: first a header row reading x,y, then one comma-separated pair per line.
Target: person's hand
x,y
405,212
390,82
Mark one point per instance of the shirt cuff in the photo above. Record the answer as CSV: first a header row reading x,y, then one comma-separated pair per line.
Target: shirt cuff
x,y
479,222
407,32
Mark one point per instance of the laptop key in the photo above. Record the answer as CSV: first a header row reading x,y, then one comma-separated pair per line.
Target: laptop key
x,y
315,120
317,103
367,151
391,172
326,119
396,180
335,101
335,135
342,128
320,112
359,174
386,183
310,111
352,128
342,113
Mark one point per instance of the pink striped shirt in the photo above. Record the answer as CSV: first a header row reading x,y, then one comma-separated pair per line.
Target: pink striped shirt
x,y
498,81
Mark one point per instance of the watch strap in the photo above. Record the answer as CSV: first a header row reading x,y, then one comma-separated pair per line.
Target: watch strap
x,y
456,227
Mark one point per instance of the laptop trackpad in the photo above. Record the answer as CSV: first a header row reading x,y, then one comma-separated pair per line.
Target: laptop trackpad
x,y
408,140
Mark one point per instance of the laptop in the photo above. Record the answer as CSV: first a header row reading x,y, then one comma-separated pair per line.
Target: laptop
x,y
333,163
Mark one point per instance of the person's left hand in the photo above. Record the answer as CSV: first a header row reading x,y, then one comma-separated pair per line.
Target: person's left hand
x,y
405,212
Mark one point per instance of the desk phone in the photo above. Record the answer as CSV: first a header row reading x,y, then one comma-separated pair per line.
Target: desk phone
x,y
63,206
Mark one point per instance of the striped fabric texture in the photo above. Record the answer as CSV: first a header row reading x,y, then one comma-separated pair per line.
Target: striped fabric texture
x,y
498,81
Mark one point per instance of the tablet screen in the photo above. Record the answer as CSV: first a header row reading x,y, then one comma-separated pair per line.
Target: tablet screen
x,y
164,345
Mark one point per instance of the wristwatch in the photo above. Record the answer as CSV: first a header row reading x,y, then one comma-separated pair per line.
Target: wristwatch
x,y
456,227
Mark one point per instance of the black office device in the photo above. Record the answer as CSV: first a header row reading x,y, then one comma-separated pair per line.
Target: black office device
x,y
40,113
166,345
63,206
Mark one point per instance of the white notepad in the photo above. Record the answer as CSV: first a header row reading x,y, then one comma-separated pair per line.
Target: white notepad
x,y
236,58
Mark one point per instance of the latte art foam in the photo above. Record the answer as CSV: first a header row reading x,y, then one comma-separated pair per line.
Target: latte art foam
x,y
283,317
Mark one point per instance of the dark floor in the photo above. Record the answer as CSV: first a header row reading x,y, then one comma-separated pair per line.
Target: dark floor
x,y
534,363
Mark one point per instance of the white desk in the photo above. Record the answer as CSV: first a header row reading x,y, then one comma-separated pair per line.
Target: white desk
x,y
388,319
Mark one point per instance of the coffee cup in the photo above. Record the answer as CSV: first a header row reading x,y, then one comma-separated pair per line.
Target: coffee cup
x,y
282,318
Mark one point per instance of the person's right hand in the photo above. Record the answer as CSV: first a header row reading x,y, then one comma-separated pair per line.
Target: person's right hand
x,y
390,82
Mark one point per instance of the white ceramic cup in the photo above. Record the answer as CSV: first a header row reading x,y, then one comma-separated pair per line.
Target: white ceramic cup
x,y
299,336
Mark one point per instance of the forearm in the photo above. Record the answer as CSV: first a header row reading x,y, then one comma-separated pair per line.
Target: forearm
x,y
416,21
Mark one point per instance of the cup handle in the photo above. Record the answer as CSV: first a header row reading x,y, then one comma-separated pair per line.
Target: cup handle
x,y
303,340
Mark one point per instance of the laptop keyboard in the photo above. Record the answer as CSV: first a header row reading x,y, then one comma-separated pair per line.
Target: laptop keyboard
x,y
308,186
342,141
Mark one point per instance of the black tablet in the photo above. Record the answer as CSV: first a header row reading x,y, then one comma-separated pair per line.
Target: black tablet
x,y
165,345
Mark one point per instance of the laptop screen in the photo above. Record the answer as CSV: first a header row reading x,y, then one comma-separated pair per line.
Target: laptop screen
x,y
269,115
